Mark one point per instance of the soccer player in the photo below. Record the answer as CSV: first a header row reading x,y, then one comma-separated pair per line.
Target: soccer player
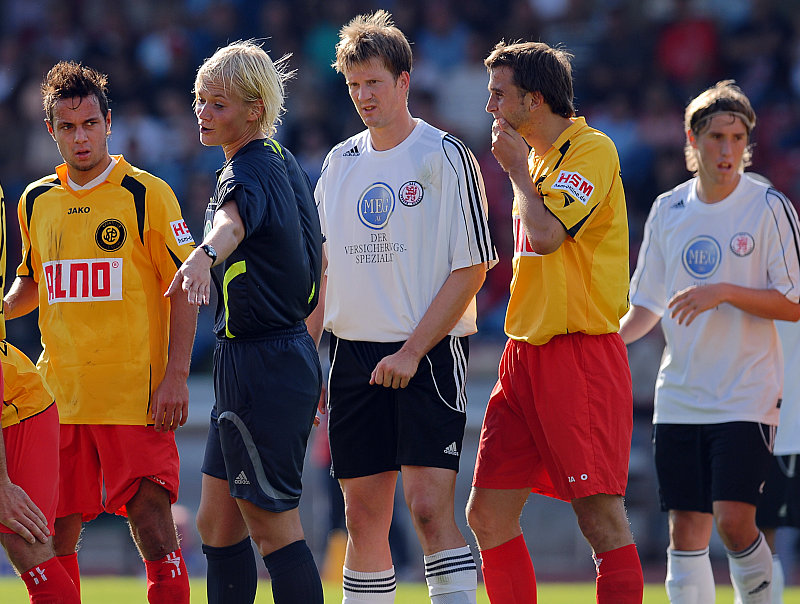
x,y
560,417
262,234
28,441
100,241
780,500
404,210
719,262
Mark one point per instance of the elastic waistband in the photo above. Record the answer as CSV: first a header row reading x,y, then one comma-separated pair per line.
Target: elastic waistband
x,y
297,329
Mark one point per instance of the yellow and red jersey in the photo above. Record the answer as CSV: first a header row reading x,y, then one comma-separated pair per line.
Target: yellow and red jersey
x,y
25,393
582,286
102,259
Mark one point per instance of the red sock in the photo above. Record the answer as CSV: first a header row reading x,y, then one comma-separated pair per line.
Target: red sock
x,y
508,573
49,583
70,564
167,581
619,576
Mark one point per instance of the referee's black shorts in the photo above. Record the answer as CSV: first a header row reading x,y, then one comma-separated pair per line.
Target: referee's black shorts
x,y
267,391
377,429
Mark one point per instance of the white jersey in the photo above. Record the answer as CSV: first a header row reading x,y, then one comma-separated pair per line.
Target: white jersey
x,y
787,442
397,223
727,365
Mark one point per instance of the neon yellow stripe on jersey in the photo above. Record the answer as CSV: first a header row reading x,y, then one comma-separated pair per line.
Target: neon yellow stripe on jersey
x,y
234,270
313,289
275,146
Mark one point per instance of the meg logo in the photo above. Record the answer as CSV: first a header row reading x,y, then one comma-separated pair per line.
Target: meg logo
x,y
376,205
701,257
87,280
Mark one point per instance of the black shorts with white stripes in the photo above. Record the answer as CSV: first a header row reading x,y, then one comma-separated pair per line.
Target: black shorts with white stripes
x,y
780,503
377,429
698,464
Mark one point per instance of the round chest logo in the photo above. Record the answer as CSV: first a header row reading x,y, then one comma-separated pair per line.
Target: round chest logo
x,y
742,244
110,235
376,205
410,193
702,257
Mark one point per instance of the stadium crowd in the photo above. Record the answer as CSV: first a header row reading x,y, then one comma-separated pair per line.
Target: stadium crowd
x,y
636,65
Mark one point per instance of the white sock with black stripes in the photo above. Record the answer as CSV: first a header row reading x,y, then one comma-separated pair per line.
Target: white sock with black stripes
x,y
361,587
689,577
452,576
751,573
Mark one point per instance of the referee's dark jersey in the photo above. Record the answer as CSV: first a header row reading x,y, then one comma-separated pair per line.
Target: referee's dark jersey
x,y
271,280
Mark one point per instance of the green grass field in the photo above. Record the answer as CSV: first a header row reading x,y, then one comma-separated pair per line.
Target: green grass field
x,y
131,591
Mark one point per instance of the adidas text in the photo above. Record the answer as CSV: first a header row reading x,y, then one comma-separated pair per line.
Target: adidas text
x,y
452,449
241,478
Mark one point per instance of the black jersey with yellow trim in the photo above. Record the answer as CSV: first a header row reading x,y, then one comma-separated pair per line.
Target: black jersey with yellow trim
x,y
271,280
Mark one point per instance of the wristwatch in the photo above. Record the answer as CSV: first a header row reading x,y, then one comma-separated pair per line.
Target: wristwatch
x,y
210,252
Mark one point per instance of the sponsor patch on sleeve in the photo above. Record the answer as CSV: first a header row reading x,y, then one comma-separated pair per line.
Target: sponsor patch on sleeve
x,y
575,184
181,232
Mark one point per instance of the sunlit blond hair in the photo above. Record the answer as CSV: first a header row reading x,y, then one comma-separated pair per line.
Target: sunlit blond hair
x,y
374,36
726,98
245,70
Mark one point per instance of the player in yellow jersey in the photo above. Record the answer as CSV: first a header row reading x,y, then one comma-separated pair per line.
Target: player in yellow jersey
x,y
559,420
101,240
29,468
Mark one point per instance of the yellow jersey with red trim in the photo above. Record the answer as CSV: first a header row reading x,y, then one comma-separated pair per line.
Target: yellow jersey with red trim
x,y
25,393
102,259
582,286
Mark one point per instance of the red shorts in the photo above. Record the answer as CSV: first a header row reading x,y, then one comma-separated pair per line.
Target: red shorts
x,y
560,419
32,459
117,458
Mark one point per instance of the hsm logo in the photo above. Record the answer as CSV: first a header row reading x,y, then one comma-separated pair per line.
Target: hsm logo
x,y
88,280
575,184
181,232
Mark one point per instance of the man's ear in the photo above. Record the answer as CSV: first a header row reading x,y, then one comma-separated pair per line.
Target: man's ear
x,y
691,138
534,100
50,131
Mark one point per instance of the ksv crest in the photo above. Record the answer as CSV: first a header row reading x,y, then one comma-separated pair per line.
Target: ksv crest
x,y
411,193
742,244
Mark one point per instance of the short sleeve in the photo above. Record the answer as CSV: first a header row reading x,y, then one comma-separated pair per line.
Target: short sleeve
x,y
470,236
580,182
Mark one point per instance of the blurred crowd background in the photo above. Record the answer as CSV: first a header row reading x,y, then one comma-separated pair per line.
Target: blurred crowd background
x,y
637,63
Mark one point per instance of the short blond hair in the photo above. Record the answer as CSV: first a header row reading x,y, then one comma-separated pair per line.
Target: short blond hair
x,y
374,36
724,97
245,70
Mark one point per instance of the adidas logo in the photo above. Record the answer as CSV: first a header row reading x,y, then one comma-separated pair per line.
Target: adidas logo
x,y
677,204
764,585
352,152
241,479
452,449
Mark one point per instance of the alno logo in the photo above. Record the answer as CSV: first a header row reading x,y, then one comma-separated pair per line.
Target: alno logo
x,y
88,280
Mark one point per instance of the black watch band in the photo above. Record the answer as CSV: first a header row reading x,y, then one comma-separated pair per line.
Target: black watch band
x,y
210,252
